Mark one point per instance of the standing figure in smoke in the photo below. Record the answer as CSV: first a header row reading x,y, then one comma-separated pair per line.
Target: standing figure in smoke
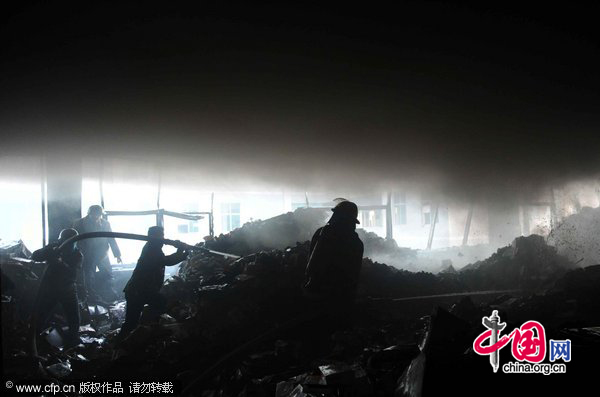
x,y
147,279
336,252
58,285
95,254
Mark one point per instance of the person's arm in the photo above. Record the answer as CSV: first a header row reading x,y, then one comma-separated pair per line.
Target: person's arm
x,y
173,259
43,254
309,272
113,244
314,240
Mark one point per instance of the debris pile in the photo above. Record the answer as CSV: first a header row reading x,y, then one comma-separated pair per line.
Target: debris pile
x,y
438,259
243,327
14,249
275,233
387,251
527,264
380,280
20,279
279,354
377,279
576,237
288,229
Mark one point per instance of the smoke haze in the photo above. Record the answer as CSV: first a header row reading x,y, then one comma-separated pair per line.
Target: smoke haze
x,y
459,99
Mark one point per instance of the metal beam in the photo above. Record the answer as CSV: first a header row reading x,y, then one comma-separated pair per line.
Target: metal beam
x,y
190,216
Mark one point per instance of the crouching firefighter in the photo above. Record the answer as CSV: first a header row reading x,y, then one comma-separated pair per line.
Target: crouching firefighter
x,y
58,285
147,279
333,269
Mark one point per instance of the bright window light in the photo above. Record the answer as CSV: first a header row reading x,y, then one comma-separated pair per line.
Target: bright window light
x,y
21,213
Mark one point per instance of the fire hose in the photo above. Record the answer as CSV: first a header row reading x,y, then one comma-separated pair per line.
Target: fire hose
x,y
128,236
141,237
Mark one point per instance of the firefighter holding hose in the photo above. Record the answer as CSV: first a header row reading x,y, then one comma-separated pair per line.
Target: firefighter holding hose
x,y
58,285
147,279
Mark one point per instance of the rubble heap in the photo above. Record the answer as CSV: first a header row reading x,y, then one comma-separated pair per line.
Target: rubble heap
x,y
387,251
241,327
252,310
20,277
528,264
383,281
287,229
275,233
234,330
576,237
436,260
13,249
376,279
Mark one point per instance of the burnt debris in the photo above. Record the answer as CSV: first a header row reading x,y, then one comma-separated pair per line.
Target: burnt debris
x,y
243,327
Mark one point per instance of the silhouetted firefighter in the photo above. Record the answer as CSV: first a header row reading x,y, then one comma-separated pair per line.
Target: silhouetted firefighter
x,y
335,260
95,254
147,279
58,285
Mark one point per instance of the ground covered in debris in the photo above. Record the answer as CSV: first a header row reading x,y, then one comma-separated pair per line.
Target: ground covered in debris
x,y
243,327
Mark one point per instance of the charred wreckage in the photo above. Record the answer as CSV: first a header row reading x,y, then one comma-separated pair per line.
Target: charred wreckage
x,y
238,321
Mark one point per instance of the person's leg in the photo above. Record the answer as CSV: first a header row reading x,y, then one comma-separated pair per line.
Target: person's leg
x,y
89,269
157,304
133,310
104,279
45,302
70,306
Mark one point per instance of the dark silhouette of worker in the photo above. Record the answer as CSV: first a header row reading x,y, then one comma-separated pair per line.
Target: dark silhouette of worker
x,y
335,260
332,276
58,285
95,254
147,279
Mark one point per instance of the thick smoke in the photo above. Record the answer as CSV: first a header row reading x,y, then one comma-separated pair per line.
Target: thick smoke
x,y
467,102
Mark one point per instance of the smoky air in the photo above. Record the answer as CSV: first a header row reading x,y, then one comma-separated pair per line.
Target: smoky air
x,y
460,100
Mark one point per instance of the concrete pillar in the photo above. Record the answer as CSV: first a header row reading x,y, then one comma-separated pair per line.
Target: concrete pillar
x,y
389,226
63,186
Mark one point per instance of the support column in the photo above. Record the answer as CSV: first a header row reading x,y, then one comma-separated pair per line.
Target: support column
x,y
63,187
465,240
389,227
432,228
